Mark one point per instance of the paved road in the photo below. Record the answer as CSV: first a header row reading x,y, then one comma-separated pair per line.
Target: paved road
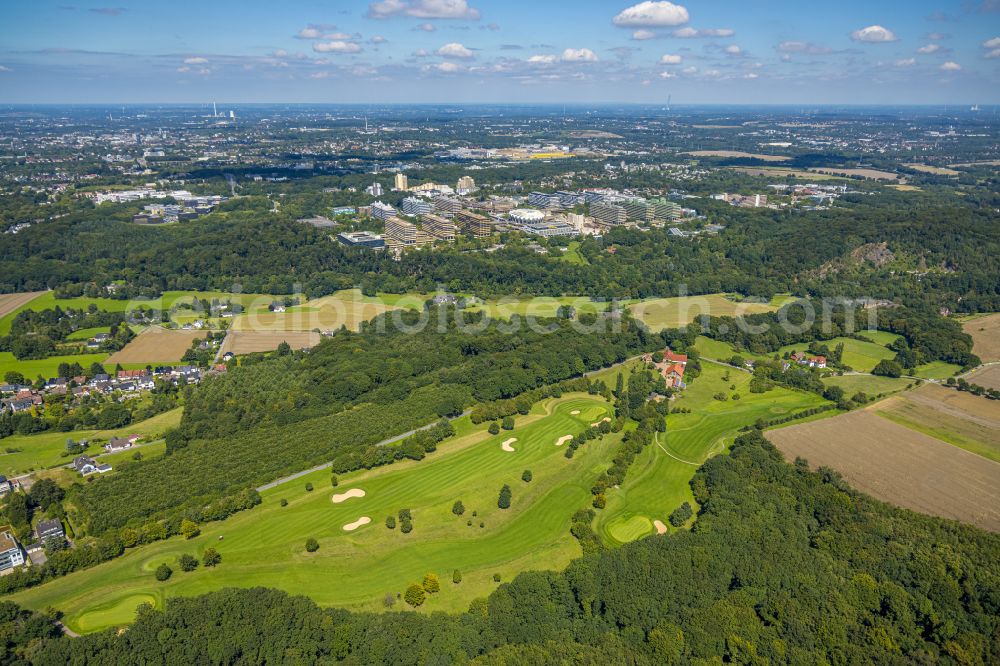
x,y
385,442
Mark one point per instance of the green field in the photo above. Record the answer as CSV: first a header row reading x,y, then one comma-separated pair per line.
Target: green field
x,y
42,450
46,367
884,338
869,384
87,333
572,254
265,546
660,313
937,370
860,355
657,482
540,306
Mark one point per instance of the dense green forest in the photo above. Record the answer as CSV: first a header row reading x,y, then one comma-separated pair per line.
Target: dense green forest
x,y
937,254
783,565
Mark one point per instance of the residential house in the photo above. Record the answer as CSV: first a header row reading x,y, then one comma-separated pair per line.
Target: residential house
x,y
11,554
118,444
86,465
817,362
49,529
5,485
671,368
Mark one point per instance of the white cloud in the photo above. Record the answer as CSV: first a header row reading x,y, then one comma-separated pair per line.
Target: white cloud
x,y
667,75
732,49
5,69
455,50
448,67
310,33
992,43
930,48
195,61
421,53
432,9
377,39
693,33
640,35
874,34
671,59
690,70
951,67
652,14
751,75
579,55
543,59
426,27
995,53
906,62
336,47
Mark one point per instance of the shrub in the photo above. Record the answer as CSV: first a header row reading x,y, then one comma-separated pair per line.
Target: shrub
x,y
312,545
390,522
431,584
526,476
163,572
333,481
405,527
187,562
507,423
458,508
503,501
494,428
211,557
309,487
496,578
415,595
456,577
283,502
681,514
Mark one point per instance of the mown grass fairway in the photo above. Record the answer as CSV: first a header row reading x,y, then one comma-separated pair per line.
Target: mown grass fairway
x,y
265,546
657,482
42,450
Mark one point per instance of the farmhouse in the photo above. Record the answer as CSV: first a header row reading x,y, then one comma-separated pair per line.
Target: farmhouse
x,y
671,368
86,466
120,443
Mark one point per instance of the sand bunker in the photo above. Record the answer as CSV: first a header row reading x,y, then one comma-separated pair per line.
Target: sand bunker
x,y
353,492
660,527
363,520
575,412
606,419
562,440
506,446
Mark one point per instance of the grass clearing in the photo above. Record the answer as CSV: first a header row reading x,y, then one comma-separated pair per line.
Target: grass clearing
x,y
661,313
657,482
572,254
868,384
265,546
936,370
42,450
860,355
46,367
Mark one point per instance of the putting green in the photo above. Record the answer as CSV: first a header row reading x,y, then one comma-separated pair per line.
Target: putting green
x,y
106,615
624,530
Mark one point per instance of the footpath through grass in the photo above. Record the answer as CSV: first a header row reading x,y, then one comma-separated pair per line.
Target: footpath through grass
x,y
266,545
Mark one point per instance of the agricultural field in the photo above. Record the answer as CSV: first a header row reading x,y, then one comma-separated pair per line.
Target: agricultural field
x,y
156,345
47,299
965,420
937,171
899,465
358,563
870,385
738,154
782,172
540,306
936,370
985,332
988,377
657,482
20,454
345,308
660,313
249,342
868,174
15,302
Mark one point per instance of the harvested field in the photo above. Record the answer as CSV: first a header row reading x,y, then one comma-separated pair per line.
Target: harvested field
x,y
898,465
988,377
873,174
249,342
985,332
156,345
329,313
780,172
977,164
937,171
11,302
660,313
738,154
965,420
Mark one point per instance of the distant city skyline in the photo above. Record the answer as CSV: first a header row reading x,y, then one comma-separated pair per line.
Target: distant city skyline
x,y
490,51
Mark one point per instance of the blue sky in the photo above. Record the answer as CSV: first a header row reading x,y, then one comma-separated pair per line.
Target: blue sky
x,y
697,51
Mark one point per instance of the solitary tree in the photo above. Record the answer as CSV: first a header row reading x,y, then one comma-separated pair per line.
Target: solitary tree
x,y
309,487
431,583
458,508
456,577
333,481
526,476
494,428
504,500
507,423
390,522
187,562
312,545
415,595
163,572
211,557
